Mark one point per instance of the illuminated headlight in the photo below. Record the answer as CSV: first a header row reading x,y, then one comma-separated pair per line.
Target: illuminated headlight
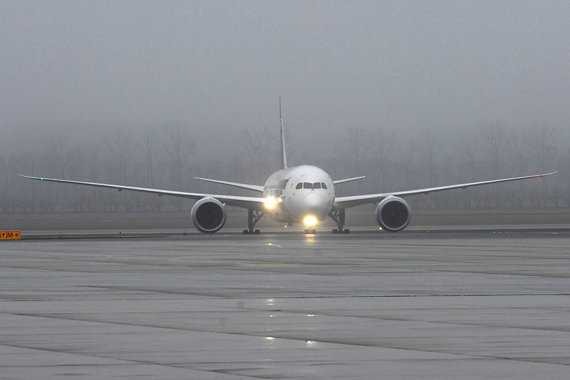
x,y
310,221
271,202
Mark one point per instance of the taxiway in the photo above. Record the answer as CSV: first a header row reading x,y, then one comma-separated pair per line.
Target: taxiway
x,y
466,305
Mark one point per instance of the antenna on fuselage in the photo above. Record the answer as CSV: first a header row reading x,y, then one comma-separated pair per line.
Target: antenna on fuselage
x,y
283,152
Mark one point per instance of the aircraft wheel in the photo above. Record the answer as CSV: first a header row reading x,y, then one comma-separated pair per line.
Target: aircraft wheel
x,y
307,232
245,232
335,231
257,232
313,231
346,231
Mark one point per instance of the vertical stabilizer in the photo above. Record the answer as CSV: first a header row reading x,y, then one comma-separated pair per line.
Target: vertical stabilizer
x,y
283,152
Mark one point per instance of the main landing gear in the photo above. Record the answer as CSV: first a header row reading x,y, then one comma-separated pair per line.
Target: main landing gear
x,y
310,231
339,216
252,218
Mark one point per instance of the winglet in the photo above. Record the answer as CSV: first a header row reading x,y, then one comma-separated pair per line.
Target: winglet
x,y
544,175
28,177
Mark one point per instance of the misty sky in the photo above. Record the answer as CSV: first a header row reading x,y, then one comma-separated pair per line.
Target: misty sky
x,y
337,64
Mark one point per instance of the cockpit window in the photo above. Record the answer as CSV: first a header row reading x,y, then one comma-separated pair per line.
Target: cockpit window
x,y
283,183
307,185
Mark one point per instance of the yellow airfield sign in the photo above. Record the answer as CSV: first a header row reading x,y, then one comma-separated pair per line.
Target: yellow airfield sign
x,y
10,235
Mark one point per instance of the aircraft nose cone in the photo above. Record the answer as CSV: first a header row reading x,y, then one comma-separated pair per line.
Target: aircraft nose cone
x,y
314,203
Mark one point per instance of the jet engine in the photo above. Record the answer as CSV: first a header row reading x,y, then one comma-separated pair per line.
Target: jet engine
x,y
208,215
393,214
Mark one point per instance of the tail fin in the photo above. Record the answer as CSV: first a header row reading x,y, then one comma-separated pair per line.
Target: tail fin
x,y
283,152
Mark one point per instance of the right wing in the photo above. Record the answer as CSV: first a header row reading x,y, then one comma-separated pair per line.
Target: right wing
x,y
357,200
253,203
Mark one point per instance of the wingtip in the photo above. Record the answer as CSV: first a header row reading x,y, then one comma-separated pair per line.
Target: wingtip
x,y
30,177
546,174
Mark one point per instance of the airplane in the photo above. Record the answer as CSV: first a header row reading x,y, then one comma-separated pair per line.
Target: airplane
x,y
302,194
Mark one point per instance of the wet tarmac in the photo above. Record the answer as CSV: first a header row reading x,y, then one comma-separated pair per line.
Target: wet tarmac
x,y
369,305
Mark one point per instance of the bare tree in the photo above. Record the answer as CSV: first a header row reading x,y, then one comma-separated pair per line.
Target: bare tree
x,y
260,143
540,144
541,140
148,142
405,158
179,146
57,146
429,146
495,140
149,138
384,145
75,166
355,150
121,146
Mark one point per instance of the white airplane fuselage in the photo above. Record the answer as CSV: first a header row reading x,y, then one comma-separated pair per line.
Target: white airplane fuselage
x,y
297,193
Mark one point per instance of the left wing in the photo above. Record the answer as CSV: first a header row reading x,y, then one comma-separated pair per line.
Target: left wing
x,y
357,200
253,203
347,180
234,184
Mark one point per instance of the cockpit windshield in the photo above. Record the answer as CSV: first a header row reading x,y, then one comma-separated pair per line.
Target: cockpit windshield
x,y
311,186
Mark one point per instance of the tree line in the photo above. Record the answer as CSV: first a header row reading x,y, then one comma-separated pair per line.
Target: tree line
x,y
169,156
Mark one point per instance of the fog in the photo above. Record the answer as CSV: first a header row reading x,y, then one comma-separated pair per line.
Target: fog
x,y
411,94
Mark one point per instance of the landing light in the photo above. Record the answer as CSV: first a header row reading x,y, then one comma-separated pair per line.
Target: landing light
x,y
310,221
271,202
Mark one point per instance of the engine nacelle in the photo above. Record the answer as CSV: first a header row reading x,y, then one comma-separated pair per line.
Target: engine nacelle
x,y
208,215
393,214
